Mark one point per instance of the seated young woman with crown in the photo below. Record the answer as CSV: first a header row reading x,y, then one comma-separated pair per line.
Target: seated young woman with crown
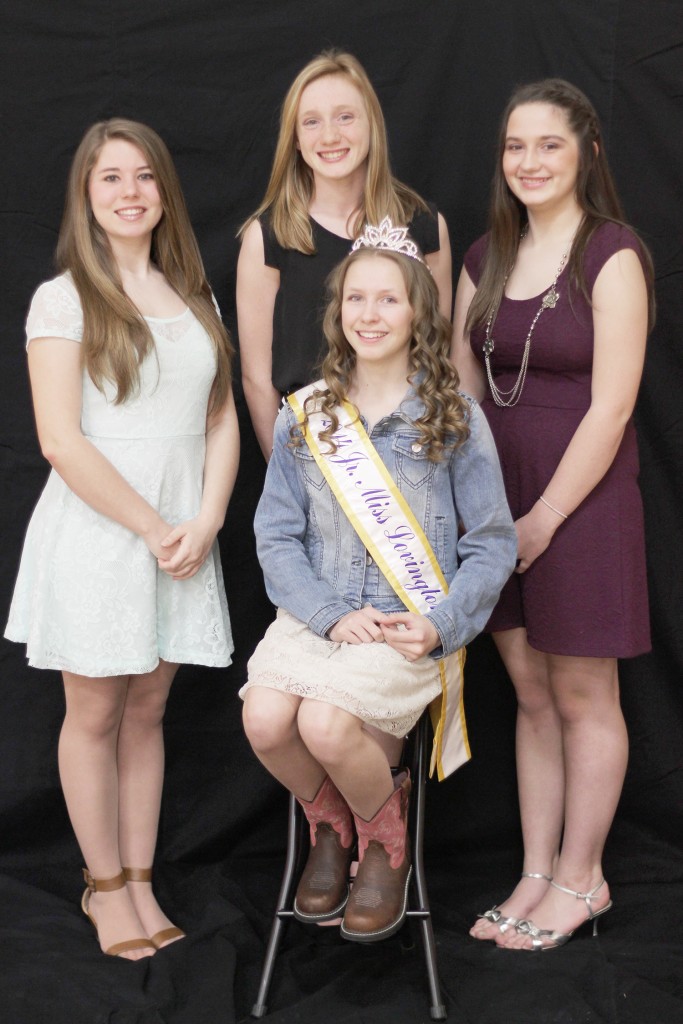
x,y
372,469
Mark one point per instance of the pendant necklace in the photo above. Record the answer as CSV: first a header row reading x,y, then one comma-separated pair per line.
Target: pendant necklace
x,y
549,301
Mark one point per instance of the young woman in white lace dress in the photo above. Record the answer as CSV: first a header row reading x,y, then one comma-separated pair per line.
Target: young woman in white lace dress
x,y
120,577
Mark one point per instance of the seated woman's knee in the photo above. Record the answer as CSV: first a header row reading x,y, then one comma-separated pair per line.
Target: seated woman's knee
x,y
267,723
327,731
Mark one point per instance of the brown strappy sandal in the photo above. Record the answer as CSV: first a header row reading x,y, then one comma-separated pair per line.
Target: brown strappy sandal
x,y
159,938
111,885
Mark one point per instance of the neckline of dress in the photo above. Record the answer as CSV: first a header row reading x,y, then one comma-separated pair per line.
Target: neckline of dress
x,y
333,234
167,319
535,298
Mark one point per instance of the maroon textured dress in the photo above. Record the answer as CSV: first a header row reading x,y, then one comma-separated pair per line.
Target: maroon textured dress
x,y
586,594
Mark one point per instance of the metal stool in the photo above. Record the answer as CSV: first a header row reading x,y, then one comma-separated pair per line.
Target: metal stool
x,y
418,904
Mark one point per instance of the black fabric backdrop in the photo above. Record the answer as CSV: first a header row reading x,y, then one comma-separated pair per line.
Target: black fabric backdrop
x,y
209,76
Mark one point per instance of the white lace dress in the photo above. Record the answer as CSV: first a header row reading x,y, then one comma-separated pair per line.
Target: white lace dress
x,y
89,596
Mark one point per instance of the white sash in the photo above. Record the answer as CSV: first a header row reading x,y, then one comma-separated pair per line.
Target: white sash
x,y
389,530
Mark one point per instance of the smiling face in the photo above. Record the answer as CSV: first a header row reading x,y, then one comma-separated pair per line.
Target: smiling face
x,y
376,315
123,193
541,157
332,128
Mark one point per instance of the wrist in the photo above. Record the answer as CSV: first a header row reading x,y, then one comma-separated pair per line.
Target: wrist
x,y
546,518
210,521
152,527
433,637
440,642
553,508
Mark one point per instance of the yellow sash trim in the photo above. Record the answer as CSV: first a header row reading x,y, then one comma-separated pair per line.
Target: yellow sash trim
x,y
442,760
446,756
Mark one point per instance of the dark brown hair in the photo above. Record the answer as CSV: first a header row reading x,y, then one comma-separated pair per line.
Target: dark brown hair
x,y
596,194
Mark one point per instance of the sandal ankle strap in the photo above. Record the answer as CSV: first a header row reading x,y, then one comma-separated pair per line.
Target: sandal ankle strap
x,y
537,874
104,884
586,896
138,874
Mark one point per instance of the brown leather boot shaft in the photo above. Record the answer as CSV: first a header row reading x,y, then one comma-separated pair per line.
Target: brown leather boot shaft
x,y
324,886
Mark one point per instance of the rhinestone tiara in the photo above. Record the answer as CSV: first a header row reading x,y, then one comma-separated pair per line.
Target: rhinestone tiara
x,y
386,236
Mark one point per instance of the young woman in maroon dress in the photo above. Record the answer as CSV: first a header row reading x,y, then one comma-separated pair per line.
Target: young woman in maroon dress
x,y
550,327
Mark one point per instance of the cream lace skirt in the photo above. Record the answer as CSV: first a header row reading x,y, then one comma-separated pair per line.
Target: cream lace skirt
x,y
371,681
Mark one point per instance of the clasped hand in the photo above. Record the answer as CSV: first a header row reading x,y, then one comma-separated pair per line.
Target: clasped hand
x,y
410,634
182,550
535,531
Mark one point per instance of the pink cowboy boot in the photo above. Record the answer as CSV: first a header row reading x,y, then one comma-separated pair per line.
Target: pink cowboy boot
x,y
324,886
377,905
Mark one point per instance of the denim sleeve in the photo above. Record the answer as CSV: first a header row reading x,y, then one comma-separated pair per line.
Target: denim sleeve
x,y
488,547
280,525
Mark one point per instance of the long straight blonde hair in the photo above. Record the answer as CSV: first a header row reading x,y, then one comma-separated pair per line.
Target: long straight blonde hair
x,y
116,337
290,188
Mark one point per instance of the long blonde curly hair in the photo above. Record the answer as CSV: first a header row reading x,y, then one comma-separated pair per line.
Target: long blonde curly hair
x,y
444,424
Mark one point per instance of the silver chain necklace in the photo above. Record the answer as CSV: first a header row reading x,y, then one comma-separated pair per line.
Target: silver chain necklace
x,y
509,398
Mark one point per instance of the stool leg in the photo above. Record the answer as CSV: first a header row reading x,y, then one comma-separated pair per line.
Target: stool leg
x,y
295,837
283,909
437,1010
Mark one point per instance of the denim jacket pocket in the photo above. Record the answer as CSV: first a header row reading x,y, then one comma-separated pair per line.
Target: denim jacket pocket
x,y
326,541
309,467
412,465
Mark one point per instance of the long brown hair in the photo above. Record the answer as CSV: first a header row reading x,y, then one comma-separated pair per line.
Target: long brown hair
x,y
116,337
596,195
290,188
443,426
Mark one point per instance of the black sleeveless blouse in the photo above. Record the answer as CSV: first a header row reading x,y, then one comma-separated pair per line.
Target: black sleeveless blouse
x,y
298,343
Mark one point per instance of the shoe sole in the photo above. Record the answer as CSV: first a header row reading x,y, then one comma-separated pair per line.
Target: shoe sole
x,y
382,933
329,915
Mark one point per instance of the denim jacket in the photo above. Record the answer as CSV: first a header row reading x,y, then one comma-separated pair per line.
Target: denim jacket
x,y
316,566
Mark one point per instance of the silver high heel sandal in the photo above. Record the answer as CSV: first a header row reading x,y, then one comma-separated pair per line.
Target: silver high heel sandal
x,y
557,939
495,916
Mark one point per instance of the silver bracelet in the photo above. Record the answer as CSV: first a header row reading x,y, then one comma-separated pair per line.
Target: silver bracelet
x,y
552,507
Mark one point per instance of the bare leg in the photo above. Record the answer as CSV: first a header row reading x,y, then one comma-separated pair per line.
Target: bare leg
x,y
595,751
391,745
141,775
540,775
351,756
88,771
270,722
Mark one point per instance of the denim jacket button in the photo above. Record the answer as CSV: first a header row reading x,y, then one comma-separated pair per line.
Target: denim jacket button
x,y
368,558
416,447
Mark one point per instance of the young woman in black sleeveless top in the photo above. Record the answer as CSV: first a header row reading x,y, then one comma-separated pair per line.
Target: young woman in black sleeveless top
x,y
330,176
